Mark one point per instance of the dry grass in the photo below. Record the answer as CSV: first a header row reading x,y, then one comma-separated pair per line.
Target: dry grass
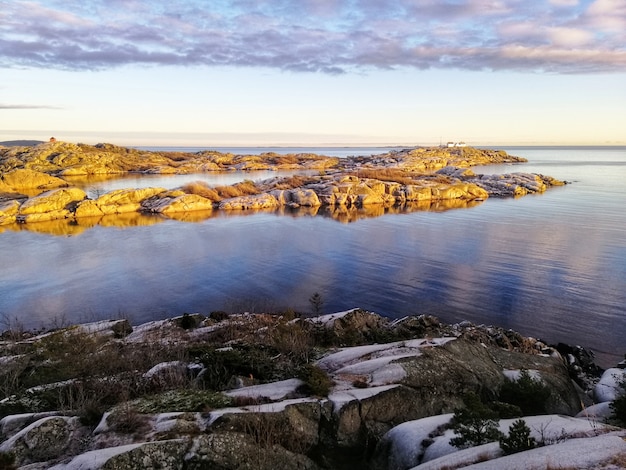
x,y
619,460
291,182
398,175
245,188
200,188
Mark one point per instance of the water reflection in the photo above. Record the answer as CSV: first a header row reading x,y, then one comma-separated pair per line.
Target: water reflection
x,y
342,214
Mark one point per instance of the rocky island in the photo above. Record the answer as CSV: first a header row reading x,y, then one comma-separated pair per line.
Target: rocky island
x,y
282,391
38,183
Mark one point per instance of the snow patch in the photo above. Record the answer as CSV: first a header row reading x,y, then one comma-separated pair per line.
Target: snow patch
x,y
341,398
271,391
266,408
328,320
608,389
515,374
575,453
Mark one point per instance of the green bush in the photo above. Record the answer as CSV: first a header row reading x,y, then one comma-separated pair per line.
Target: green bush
x,y
317,381
519,438
7,461
475,424
618,406
528,393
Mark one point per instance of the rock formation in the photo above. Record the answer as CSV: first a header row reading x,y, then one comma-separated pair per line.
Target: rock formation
x,y
265,391
404,179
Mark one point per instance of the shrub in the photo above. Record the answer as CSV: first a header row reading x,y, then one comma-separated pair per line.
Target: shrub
x,y
201,189
218,315
183,400
7,461
475,424
519,438
188,322
528,393
317,381
618,406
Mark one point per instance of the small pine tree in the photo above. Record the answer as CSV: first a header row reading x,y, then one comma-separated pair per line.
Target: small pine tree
x,y
519,438
528,393
618,406
475,424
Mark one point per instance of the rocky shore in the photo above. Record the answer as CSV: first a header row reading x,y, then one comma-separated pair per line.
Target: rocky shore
x,y
38,183
279,391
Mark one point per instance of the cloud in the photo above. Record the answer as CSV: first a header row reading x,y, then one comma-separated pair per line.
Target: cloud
x,y
328,36
26,106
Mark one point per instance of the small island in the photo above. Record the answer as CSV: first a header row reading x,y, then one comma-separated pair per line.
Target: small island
x,y
37,183
281,390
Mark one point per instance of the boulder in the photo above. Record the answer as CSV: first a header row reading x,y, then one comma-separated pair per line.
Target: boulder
x,y
240,451
46,439
182,203
351,322
29,179
164,455
257,201
50,205
118,202
8,212
304,197
608,388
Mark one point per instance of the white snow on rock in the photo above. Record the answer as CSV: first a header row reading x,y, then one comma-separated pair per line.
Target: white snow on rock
x,y
405,440
358,354
96,459
266,408
99,326
515,374
599,411
328,320
272,391
340,398
574,453
463,458
170,366
608,389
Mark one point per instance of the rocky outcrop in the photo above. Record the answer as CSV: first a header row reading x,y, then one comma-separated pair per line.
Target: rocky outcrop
x,y
9,211
21,179
117,202
174,202
46,439
54,204
506,185
395,179
68,159
379,373
254,202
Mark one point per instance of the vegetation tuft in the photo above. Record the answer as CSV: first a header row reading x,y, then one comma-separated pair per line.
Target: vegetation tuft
x,y
530,395
518,439
475,424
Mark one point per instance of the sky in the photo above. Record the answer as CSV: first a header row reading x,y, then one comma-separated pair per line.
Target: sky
x,y
314,72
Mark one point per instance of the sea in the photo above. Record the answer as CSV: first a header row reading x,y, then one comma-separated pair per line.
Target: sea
x,y
551,266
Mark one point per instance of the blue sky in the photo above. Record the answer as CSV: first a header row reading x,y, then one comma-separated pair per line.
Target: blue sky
x,y
322,72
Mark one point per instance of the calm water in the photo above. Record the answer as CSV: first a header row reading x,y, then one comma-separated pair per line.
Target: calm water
x,y
552,265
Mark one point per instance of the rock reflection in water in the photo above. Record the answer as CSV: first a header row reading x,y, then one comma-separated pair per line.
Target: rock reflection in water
x,y
343,214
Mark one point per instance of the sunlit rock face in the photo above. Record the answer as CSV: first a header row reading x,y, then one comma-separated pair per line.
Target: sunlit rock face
x,y
117,202
176,204
8,212
257,201
433,177
54,204
21,179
